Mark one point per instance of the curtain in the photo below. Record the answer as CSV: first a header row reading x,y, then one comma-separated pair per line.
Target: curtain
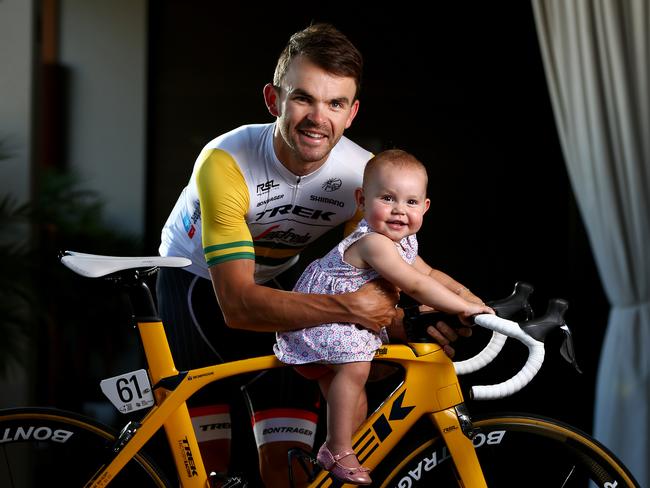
x,y
596,58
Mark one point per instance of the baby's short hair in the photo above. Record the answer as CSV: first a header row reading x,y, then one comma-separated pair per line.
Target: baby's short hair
x,y
394,157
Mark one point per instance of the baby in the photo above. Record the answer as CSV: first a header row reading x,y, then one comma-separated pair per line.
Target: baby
x,y
393,200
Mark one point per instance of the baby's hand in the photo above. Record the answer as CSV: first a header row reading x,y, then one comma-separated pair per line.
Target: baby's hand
x,y
474,309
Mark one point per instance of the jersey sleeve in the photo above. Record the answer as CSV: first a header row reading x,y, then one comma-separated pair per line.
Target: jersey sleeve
x,y
224,200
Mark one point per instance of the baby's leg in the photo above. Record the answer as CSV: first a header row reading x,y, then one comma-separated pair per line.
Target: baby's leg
x,y
345,395
360,413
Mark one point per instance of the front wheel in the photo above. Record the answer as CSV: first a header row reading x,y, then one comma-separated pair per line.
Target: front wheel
x,y
50,447
513,451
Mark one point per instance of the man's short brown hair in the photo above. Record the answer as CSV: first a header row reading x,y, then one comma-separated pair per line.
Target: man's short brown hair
x,y
327,48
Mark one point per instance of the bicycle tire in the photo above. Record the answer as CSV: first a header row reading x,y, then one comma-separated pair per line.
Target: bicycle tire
x,y
47,446
514,450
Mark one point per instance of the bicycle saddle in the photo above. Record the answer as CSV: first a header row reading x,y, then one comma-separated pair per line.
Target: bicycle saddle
x,y
95,266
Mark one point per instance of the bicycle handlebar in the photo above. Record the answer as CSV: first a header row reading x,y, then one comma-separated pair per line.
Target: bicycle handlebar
x,y
506,308
505,328
483,358
530,332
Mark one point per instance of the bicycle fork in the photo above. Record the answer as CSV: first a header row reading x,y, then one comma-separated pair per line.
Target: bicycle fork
x,y
456,429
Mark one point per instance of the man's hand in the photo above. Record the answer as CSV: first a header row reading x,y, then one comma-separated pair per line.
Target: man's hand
x,y
374,304
444,335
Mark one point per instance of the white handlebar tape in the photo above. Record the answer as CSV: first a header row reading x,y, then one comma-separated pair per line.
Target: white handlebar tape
x,y
484,357
525,375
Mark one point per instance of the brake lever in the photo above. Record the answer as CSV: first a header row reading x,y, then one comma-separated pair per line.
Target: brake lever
x,y
553,319
514,304
567,351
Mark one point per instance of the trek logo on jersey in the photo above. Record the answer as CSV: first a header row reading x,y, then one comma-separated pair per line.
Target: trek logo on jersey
x,y
267,186
300,211
332,184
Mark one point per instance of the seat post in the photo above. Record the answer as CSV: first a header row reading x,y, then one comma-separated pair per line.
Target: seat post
x,y
143,306
150,326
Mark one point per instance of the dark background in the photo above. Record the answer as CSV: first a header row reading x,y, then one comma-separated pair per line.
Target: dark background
x,y
462,87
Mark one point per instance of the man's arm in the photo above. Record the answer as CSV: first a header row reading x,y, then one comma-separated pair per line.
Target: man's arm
x,y
247,305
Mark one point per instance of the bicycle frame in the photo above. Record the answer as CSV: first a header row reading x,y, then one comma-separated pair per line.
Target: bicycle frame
x,y
430,387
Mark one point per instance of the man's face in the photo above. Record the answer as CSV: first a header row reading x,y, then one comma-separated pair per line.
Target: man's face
x,y
313,108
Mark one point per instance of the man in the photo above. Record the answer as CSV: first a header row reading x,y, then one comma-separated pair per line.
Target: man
x,y
257,196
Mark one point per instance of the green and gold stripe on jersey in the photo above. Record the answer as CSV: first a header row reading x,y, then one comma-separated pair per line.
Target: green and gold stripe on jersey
x,y
220,253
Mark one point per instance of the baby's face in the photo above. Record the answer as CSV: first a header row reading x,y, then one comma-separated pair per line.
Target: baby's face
x,y
394,201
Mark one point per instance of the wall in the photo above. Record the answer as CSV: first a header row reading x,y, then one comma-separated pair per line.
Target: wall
x,y
103,51
16,47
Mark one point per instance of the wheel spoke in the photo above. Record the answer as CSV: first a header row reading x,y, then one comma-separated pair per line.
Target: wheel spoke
x,y
8,466
566,480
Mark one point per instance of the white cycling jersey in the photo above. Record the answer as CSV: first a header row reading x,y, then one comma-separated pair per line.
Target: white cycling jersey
x,y
242,203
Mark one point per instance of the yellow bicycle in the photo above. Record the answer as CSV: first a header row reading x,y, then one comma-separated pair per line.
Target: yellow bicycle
x,y
421,435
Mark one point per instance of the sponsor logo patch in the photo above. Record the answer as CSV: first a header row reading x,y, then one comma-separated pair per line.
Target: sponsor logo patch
x,y
28,432
267,186
300,211
188,222
298,428
330,201
268,200
211,427
288,236
332,184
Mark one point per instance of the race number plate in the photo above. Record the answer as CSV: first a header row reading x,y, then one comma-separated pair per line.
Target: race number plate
x,y
129,392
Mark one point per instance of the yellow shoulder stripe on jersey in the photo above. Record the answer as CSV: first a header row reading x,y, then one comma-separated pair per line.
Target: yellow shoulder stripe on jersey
x,y
224,199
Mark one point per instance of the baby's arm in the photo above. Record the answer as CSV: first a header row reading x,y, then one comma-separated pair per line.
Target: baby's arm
x,y
446,280
379,252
